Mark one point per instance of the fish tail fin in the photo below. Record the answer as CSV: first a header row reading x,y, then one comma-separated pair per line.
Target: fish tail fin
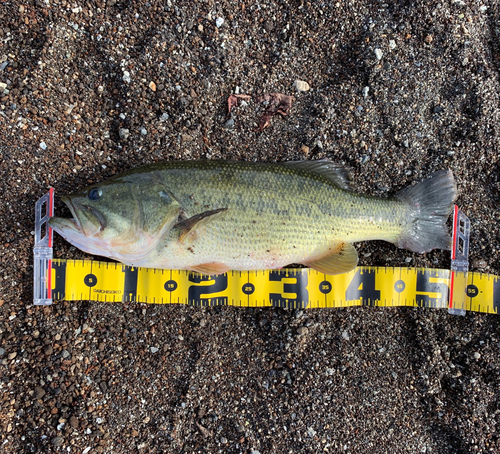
x,y
432,202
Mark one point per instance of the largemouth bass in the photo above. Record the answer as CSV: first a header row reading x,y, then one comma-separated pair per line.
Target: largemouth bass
x,y
215,216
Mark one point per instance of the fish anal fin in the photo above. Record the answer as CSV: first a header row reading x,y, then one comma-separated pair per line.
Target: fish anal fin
x,y
343,259
210,268
189,225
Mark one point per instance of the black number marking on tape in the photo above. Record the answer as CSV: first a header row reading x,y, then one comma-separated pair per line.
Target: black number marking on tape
x,y
424,285
399,286
299,288
472,291
496,295
170,286
248,288
130,284
207,288
362,287
59,291
90,280
325,287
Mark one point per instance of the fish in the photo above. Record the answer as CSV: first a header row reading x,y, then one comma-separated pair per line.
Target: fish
x,y
214,216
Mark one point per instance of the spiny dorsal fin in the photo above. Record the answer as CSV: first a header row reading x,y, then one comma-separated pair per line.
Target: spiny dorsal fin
x,y
189,225
336,173
342,260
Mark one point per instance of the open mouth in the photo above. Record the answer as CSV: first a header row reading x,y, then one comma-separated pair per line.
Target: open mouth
x,y
75,220
82,214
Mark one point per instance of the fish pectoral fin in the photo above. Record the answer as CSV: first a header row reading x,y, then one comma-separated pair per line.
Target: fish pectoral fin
x,y
210,268
187,226
342,260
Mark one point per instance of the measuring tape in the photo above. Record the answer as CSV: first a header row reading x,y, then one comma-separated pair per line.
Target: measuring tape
x,y
455,289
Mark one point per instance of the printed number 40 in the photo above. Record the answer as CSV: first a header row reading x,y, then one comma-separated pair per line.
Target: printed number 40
x,y
362,287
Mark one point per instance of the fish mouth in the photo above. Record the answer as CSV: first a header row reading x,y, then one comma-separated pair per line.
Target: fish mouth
x,y
75,220
81,213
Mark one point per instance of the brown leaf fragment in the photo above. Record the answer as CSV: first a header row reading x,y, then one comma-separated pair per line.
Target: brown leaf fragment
x,y
278,103
265,121
232,101
204,431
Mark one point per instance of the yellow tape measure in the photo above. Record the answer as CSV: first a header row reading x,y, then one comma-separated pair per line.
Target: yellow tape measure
x,y
289,288
455,289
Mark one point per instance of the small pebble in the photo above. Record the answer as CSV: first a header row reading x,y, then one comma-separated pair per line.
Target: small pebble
x,y
66,354
479,263
477,355
12,355
73,422
301,331
123,133
300,85
378,54
43,145
304,149
392,44
154,349
39,392
345,335
57,441
365,91
126,76
229,124
144,132
152,85
2,351
219,21
164,116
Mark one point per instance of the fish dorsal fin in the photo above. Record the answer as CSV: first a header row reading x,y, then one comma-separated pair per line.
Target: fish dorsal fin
x,y
342,260
189,225
336,173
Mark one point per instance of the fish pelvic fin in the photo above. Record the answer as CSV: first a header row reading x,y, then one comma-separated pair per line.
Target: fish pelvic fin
x,y
210,268
342,260
432,202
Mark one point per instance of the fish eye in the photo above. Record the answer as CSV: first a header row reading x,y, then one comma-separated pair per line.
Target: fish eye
x,y
95,194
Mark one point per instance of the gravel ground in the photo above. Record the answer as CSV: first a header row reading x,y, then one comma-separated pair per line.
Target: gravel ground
x,y
88,89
